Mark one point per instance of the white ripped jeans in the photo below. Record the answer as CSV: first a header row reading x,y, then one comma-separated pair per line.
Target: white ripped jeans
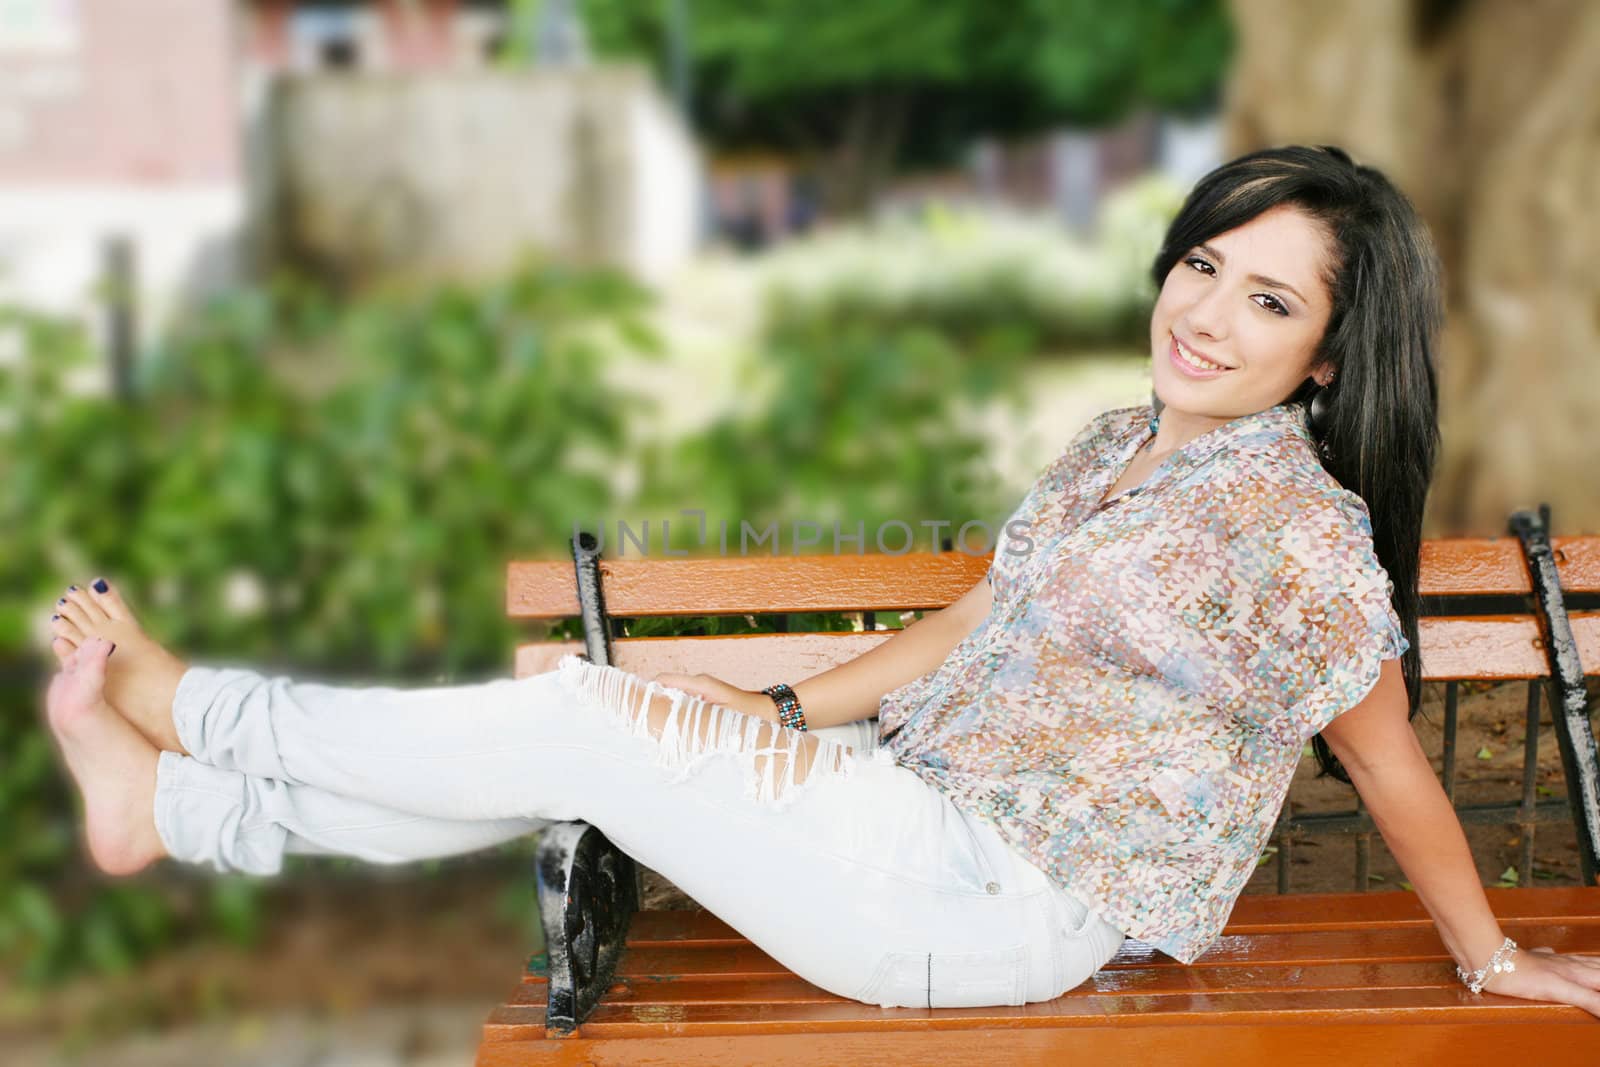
x,y
845,867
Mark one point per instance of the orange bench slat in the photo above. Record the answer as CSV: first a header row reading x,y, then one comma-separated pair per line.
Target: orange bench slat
x,y
1485,1036
1253,913
1487,647
545,589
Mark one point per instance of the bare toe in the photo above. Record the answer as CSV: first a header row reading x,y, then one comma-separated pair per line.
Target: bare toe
x,y
143,678
73,612
66,630
110,600
93,613
64,650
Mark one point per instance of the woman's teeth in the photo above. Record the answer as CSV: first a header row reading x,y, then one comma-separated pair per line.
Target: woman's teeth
x,y
1194,360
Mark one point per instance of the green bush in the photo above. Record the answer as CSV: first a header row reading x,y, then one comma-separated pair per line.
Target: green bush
x,y
333,494
336,488
852,423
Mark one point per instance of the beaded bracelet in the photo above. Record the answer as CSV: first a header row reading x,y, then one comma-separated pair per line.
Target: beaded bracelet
x,y
1496,965
790,713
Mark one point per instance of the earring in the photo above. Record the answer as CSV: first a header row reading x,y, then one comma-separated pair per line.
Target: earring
x,y
1319,411
1319,417
1155,406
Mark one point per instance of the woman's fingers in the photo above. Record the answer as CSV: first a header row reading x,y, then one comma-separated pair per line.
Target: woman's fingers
x,y
689,683
1585,998
1585,963
1549,976
716,691
676,681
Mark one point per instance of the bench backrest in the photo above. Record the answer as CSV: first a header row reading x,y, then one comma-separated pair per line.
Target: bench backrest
x,y
1502,646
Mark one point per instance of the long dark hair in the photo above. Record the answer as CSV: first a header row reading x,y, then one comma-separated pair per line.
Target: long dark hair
x,y
1378,433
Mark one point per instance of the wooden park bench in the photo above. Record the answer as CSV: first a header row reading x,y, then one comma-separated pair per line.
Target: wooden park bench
x,y
1347,977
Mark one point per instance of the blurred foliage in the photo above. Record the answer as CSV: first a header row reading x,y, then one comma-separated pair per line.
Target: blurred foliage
x,y
864,86
50,926
854,423
969,273
330,486
335,488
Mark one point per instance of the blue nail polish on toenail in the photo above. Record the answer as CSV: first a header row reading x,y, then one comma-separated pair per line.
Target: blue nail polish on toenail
x,y
72,589
100,585
113,649
53,618
63,600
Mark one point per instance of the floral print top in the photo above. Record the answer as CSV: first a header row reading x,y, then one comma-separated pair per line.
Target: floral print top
x,y
1131,712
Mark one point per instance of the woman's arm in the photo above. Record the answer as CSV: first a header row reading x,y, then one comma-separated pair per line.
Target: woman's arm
x,y
853,689
1377,746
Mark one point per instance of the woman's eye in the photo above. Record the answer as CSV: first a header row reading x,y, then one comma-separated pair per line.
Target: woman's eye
x,y
1270,302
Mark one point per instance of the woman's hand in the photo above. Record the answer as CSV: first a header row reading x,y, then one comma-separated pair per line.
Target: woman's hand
x,y
709,687
1542,974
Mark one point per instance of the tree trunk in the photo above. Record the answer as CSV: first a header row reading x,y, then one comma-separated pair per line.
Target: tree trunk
x,y
1488,116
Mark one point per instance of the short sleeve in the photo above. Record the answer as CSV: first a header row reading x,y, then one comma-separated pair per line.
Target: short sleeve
x,y
1310,619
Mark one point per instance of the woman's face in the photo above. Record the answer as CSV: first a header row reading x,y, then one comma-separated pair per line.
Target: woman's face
x,y
1251,300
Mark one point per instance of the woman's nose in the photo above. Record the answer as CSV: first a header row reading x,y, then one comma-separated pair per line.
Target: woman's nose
x,y
1206,316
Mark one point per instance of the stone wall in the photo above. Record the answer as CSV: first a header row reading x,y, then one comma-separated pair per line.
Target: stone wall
x,y
451,174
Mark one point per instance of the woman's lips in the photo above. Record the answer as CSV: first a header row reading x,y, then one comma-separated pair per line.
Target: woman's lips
x,y
1188,368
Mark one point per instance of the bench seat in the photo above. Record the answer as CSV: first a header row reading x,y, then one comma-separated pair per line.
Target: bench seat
x,y
1285,969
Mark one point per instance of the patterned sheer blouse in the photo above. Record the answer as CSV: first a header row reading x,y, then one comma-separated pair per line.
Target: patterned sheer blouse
x,y
1131,712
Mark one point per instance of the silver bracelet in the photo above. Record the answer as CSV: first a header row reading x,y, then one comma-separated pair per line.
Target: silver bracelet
x,y
1500,963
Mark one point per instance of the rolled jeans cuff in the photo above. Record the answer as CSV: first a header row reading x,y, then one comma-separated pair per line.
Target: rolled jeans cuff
x,y
204,816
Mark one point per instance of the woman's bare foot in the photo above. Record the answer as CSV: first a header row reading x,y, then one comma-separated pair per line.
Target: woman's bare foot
x,y
114,766
142,678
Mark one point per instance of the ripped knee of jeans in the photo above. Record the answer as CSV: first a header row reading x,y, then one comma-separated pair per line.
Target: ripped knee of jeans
x,y
778,763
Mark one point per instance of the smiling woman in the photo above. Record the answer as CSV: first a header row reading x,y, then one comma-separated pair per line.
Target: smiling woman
x,y
1092,744
1224,313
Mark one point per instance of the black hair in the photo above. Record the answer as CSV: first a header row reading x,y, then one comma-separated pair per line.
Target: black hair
x,y
1379,434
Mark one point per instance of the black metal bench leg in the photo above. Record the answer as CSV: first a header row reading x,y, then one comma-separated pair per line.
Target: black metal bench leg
x,y
588,888
588,892
1569,700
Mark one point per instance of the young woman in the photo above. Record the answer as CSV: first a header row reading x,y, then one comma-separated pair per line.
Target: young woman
x,y
1093,743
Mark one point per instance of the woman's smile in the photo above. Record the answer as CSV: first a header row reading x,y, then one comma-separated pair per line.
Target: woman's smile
x,y
1192,363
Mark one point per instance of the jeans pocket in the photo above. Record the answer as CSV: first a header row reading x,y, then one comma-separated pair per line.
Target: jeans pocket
x,y
1084,940
980,979
978,870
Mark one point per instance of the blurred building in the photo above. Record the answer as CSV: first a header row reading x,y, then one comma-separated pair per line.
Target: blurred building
x,y
761,199
305,36
1069,172
169,148
120,154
